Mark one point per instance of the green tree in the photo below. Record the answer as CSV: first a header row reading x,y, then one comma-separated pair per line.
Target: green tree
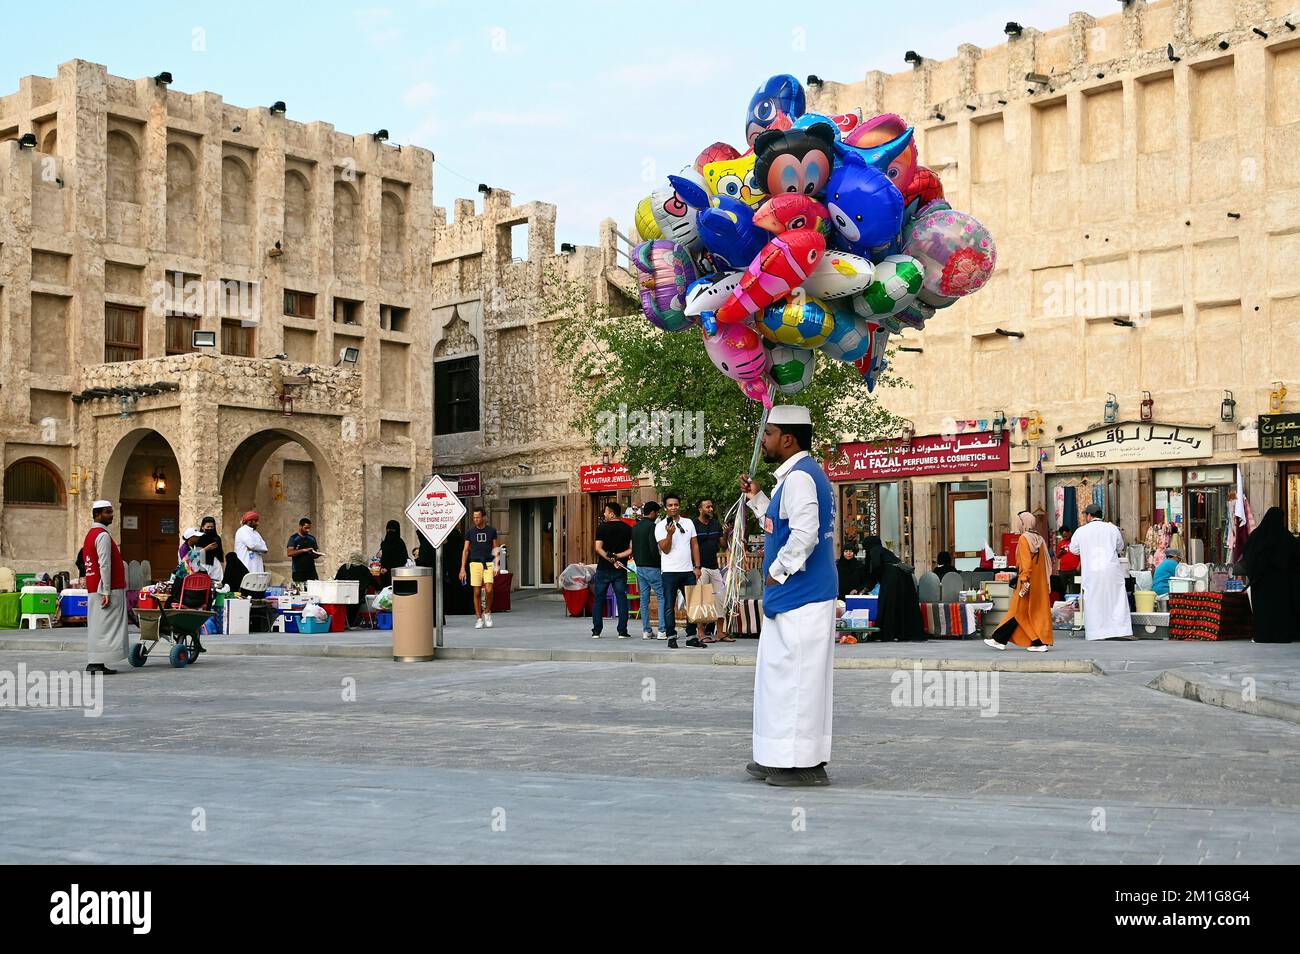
x,y
621,364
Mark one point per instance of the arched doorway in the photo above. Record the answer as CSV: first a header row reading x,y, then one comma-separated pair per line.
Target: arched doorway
x,y
283,476
143,479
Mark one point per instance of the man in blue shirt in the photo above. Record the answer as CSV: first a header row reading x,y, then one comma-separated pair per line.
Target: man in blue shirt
x,y
1165,571
796,652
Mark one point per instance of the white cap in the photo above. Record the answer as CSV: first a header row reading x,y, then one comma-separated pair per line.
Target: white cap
x,y
100,505
789,414
191,532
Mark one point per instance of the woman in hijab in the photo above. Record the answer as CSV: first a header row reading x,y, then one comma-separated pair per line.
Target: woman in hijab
x,y
898,611
1028,621
851,572
392,552
944,565
1272,562
359,570
210,542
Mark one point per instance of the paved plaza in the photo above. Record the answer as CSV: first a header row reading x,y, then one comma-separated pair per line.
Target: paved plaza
x,y
263,757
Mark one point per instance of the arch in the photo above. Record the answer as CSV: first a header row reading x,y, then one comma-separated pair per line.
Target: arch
x,y
182,198
236,191
123,167
347,227
245,461
392,220
297,206
110,481
50,142
33,482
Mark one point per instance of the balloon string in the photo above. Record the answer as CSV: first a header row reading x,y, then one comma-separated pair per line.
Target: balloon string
x,y
736,551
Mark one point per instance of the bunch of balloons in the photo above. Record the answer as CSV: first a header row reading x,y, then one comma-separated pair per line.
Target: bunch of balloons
x,y
826,235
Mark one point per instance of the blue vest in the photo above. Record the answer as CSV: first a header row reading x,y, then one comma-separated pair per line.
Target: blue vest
x,y
817,581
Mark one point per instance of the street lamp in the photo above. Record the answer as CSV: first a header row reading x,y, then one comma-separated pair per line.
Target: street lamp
x,y
1228,408
1000,424
1277,398
1147,407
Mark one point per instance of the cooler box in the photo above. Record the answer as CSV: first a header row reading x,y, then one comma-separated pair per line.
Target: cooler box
x,y
72,605
384,619
313,626
40,599
338,616
23,580
501,584
334,591
868,603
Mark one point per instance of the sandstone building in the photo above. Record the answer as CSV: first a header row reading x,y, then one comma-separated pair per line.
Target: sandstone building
x,y
1139,172
133,216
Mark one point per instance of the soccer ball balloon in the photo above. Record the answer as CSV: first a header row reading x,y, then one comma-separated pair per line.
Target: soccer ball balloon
x,y
898,279
805,323
792,368
850,339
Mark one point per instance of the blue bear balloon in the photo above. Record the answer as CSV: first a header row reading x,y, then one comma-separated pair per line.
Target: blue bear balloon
x,y
866,207
729,233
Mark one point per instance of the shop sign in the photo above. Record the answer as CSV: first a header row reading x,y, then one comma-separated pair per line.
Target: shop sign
x,y
465,485
1134,441
934,454
1279,433
593,478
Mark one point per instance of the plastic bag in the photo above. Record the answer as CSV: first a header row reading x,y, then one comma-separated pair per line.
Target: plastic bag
x,y
315,611
384,601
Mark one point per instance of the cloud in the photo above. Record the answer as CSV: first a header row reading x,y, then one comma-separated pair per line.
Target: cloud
x,y
421,94
485,117
376,25
674,70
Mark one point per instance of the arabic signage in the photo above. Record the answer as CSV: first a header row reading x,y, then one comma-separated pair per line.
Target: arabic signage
x,y
593,478
1133,441
935,454
1279,433
465,485
435,510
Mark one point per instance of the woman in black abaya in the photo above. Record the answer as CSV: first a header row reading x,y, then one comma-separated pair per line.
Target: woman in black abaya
x,y
1272,563
898,612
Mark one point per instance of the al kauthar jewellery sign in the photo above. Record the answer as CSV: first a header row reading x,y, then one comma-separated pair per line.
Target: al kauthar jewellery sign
x,y
1134,441
1279,433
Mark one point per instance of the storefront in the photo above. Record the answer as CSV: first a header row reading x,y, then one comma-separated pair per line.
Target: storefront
x,y
895,490
1124,469
1279,438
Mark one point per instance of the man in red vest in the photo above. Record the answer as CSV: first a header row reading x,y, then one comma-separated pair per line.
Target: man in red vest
x,y
106,636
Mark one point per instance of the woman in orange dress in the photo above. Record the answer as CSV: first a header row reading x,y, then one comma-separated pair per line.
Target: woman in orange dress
x,y
1028,621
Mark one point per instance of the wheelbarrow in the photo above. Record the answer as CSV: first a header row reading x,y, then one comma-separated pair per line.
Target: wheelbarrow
x,y
178,626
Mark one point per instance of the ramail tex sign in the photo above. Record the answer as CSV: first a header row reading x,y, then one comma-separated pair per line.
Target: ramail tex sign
x,y
936,454
1134,441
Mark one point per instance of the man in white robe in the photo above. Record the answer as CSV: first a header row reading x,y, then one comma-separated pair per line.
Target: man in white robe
x,y
1105,600
796,649
249,545
106,635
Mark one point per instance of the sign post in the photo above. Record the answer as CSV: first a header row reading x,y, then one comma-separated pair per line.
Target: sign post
x,y
435,511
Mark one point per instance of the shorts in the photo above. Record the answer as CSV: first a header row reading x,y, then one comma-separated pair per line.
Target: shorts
x,y
480,574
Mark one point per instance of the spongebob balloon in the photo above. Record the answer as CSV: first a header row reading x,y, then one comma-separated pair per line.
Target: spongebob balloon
x,y
734,177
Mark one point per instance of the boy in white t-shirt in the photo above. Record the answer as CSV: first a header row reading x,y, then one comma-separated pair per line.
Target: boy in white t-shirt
x,y
680,563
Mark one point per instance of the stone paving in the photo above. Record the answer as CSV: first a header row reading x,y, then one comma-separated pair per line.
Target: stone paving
x,y
625,762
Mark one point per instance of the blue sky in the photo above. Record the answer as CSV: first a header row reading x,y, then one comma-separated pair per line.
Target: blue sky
x,y
566,103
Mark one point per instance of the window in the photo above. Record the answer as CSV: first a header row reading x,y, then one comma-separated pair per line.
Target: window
x,y
299,304
236,339
392,318
455,395
180,333
123,333
347,312
32,483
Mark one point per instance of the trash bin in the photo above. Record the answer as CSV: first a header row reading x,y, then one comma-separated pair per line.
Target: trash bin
x,y
413,614
575,583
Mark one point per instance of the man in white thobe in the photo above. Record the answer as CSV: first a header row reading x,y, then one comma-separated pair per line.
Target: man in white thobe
x,y
249,545
106,635
796,649
1105,600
